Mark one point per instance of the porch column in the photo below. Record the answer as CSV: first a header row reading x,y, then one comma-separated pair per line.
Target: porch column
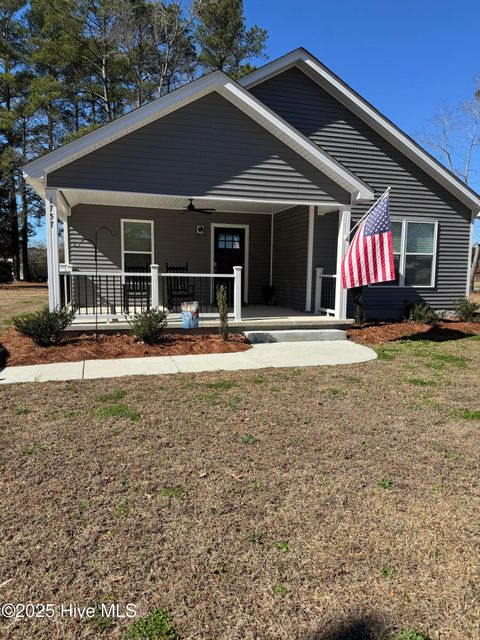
x,y
51,228
311,226
342,244
155,288
237,293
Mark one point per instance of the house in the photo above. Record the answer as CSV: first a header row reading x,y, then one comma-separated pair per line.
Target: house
x,y
254,184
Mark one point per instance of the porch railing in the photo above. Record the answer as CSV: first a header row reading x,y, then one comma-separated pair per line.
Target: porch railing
x,y
114,294
325,292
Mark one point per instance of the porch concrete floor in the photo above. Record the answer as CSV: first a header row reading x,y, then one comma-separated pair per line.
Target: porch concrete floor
x,y
261,356
253,317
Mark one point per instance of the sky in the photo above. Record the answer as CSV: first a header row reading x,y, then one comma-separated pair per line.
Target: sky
x,y
408,58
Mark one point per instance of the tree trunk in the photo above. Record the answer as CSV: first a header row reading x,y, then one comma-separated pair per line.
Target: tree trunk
x,y
358,305
24,231
475,261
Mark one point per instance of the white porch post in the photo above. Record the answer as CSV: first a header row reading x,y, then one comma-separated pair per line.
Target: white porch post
x,y
51,227
154,276
311,226
342,244
237,293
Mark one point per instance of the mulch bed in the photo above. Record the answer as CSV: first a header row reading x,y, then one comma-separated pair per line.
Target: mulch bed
x,y
22,350
377,333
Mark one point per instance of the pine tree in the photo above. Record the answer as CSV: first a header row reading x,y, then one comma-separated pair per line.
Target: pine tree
x,y
224,40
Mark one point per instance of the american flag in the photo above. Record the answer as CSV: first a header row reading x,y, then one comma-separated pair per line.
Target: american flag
x,y
369,257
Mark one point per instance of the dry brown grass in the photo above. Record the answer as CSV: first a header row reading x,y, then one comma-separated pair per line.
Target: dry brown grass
x,y
18,299
88,510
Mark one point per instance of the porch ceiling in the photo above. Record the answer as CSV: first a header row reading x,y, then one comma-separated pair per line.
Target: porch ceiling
x,y
125,199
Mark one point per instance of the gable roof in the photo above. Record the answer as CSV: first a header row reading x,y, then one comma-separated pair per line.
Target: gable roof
x,y
321,74
36,170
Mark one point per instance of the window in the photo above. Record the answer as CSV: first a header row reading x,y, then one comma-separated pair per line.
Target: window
x,y
137,238
414,253
228,241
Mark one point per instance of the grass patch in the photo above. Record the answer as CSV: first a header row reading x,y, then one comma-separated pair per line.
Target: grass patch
x,y
113,396
411,634
254,537
384,353
385,484
421,382
32,449
388,572
279,589
172,493
121,509
21,411
468,414
447,358
157,625
333,392
118,411
222,385
248,438
282,545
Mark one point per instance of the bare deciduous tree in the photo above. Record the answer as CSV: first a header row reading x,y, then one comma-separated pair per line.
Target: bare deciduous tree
x,y
454,137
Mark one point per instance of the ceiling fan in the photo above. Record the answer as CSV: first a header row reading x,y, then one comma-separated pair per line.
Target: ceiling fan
x,y
191,208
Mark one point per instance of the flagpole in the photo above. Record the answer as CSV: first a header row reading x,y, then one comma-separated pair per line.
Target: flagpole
x,y
366,214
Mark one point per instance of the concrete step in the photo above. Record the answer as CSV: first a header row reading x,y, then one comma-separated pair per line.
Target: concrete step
x,y
294,335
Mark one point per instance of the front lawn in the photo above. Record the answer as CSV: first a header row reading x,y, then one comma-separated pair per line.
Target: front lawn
x,y
270,504
19,298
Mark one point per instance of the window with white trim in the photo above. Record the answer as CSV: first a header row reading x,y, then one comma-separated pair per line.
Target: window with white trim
x,y
414,253
137,242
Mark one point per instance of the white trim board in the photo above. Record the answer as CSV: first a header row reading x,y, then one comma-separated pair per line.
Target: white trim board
x,y
246,251
329,81
35,172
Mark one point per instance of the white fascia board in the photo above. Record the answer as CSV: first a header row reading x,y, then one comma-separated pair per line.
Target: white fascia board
x,y
36,170
380,123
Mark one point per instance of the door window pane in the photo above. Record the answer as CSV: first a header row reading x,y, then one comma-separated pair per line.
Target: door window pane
x,y
418,270
420,237
228,241
137,236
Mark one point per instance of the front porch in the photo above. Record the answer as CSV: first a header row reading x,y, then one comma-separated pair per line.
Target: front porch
x,y
255,317
278,261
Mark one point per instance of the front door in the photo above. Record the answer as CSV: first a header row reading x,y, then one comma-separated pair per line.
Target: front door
x,y
229,252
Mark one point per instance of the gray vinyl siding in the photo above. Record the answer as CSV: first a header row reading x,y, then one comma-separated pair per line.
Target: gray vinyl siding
x,y
175,240
290,238
317,114
208,147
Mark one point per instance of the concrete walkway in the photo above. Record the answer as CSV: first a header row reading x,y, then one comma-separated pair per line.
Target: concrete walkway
x,y
261,356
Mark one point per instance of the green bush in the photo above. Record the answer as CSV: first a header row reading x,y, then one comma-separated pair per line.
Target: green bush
x,y
44,327
421,312
467,310
222,301
147,326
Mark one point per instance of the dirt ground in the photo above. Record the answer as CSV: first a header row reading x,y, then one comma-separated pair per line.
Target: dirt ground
x,y
309,504
22,350
16,299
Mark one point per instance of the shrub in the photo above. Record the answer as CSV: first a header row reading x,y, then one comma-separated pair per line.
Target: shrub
x,y
44,327
147,326
222,301
467,310
421,312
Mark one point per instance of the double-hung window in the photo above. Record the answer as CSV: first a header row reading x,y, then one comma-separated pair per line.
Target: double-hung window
x,y
414,253
137,244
